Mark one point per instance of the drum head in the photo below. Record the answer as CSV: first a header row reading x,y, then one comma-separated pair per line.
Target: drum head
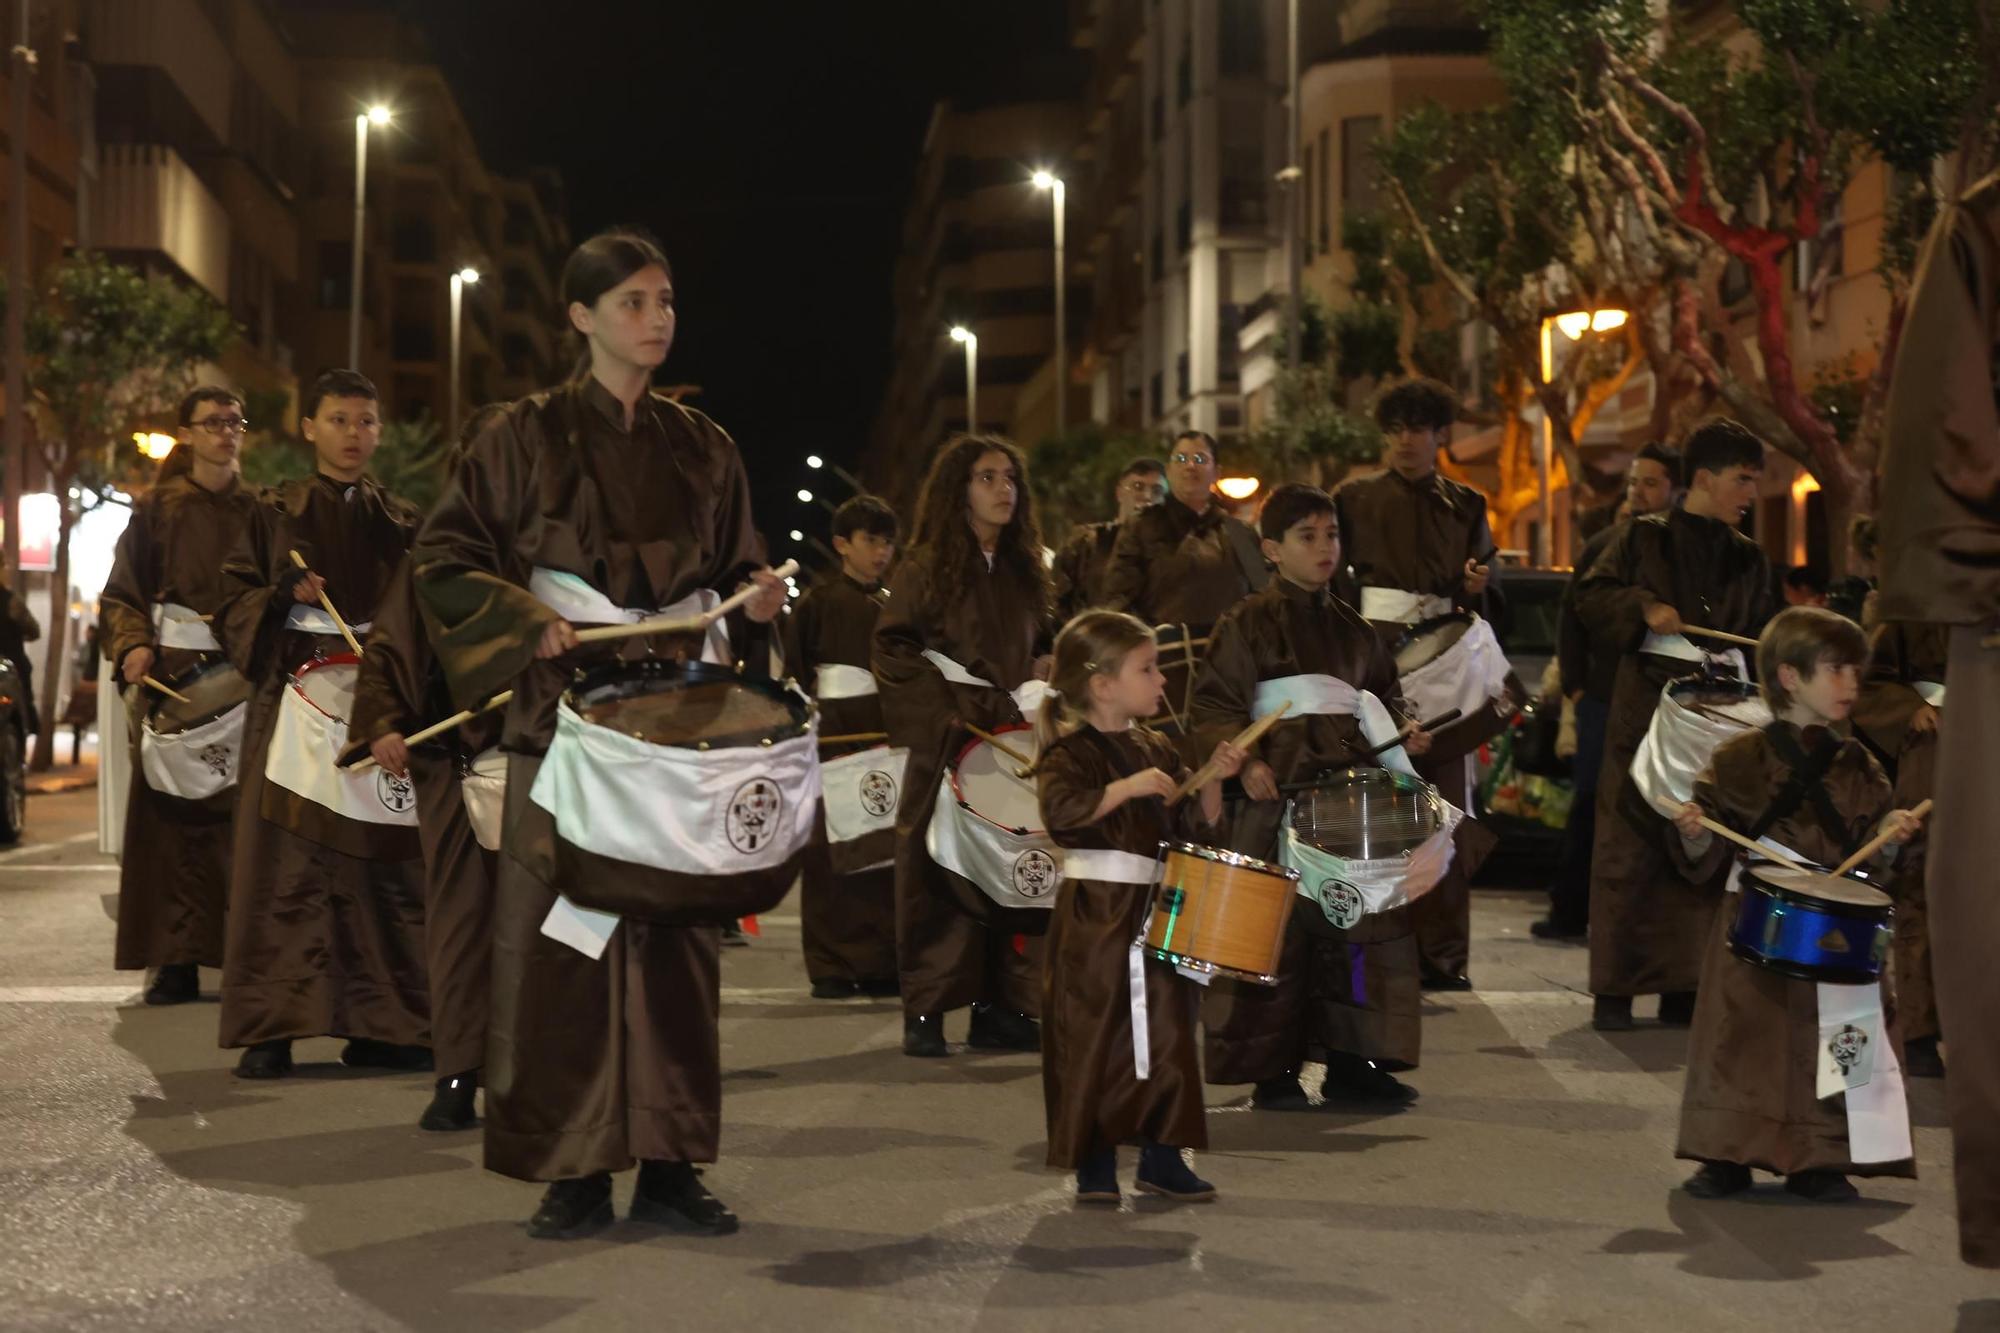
x,y
987,783
328,684
689,704
1365,814
1428,641
1811,887
214,687
1735,702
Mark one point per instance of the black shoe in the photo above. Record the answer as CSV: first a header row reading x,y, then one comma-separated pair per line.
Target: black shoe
x,y
835,990
671,1194
1677,1008
1718,1180
267,1059
1280,1094
1097,1179
884,989
175,983
1447,981
1162,1172
734,938
573,1208
923,1035
998,1028
451,1105
1549,928
1821,1186
368,1053
1351,1079
1611,1013
1921,1059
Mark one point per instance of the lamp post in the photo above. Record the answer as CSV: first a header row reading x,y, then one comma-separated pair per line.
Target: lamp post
x,y
815,462
961,334
1048,180
1295,197
1573,324
459,280
374,115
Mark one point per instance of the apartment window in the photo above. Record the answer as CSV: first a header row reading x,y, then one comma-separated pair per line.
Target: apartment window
x,y
1241,49
1159,254
1228,323
1159,407
1357,163
1159,116
1183,80
1305,211
1181,376
1183,226
333,278
1320,198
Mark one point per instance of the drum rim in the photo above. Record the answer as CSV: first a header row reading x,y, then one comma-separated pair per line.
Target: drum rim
x,y
1204,966
1407,782
1752,874
312,664
958,792
1802,971
1426,626
206,664
708,673
1223,856
1697,680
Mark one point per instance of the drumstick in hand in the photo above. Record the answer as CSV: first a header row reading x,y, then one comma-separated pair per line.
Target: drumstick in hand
x,y
1244,739
1001,746
1701,633
173,693
327,603
1880,840
1768,853
439,728
681,624
854,738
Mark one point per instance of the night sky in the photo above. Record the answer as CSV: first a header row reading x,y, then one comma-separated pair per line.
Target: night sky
x,y
770,146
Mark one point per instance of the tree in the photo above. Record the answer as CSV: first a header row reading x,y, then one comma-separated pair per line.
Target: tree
x,y
1073,474
1313,432
411,459
107,346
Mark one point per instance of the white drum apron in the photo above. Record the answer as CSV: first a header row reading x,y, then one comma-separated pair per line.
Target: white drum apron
x,y
311,731
861,792
483,786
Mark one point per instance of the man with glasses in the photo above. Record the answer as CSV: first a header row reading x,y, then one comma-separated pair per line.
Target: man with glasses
x,y
1080,564
1184,561
166,585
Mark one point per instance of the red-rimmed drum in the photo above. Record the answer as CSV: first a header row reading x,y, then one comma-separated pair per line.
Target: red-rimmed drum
x,y
367,812
1454,661
986,834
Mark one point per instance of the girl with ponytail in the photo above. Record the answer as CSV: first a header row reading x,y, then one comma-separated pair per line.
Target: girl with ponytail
x,y
1118,1041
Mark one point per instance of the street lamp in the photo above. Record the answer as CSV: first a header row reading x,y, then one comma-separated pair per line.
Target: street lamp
x,y
156,445
1573,325
961,334
815,462
797,536
1048,180
459,281
377,114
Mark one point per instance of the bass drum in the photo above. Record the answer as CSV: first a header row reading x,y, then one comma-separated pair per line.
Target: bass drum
x,y
1453,661
985,834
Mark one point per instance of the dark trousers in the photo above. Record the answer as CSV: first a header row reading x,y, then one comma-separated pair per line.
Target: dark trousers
x,y
1569,894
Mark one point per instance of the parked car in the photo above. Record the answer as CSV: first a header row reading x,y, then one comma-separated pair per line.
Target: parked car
x,y
1531,812
15,725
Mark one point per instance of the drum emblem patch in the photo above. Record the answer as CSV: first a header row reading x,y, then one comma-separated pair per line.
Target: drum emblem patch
x,y
1846,1047
753,815
218,758
1341,902
396,794
1034,873
878,793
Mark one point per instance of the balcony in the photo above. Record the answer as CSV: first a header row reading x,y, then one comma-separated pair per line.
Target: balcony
x,y
173,37
149,200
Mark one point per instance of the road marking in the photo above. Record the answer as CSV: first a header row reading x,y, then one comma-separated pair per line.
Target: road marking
x,y
70,841
68,994
59,870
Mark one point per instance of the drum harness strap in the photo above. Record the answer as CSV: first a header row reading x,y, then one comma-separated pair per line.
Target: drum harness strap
x,y
1805,783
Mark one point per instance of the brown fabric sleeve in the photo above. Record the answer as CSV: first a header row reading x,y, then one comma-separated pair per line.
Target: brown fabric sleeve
x,y
915,697
252,613
126,605
1225,686
389,688
1069,788
1125,568
1611,598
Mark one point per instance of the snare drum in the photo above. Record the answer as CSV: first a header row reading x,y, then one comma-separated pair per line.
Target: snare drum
x,y
1454,661
1696,714
1368,842
681,793
1220,913
986,835
482,785
189,750
861,792
370,812
1811,925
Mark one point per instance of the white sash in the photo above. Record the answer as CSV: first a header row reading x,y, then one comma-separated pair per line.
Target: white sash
x,y
1467,676
1346,891
862,791
1027,696
177,626
1679,741
483,788
197,763
1400,606
315,620
836,681
1335,697
572,598
1124,868
1856,1057
1013,869
695,812
304,743
1931,691
1678,646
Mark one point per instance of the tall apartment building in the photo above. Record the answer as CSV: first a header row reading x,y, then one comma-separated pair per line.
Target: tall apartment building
x,y
59,134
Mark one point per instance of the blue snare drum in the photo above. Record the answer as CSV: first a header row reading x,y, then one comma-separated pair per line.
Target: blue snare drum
x,y
1811,925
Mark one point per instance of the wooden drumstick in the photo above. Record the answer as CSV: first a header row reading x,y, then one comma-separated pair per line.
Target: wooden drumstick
x,y
1001,746
1880,840
854,738
167,690
1768,853
439,728
1699,632
1244,740
327,603
681,624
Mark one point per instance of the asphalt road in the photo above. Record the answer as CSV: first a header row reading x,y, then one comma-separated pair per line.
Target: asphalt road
x,y
1532,1187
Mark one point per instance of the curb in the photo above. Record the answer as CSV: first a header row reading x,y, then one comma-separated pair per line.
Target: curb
x,y
59,786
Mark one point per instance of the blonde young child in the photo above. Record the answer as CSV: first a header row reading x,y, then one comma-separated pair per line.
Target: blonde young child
x,y
1116,1068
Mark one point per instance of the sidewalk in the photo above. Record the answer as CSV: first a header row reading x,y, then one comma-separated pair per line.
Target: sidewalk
x,y
64,776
